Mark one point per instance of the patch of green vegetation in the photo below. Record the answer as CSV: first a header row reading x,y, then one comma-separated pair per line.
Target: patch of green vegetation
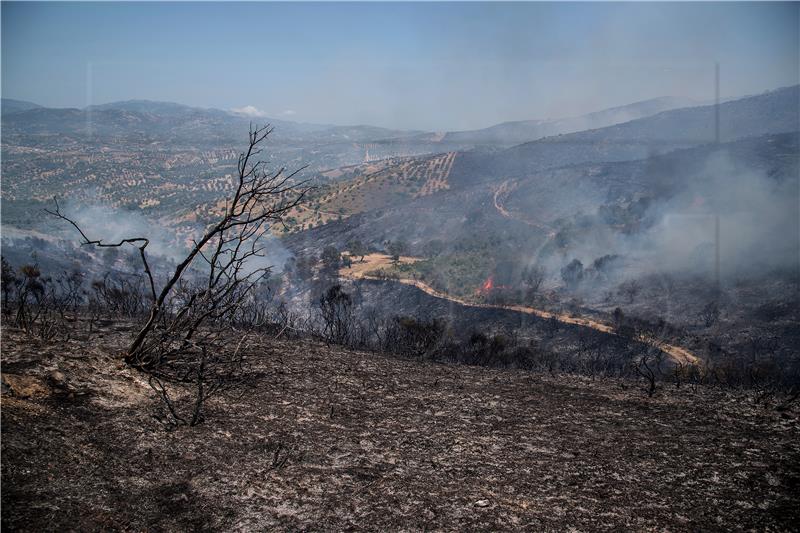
x,y
458,272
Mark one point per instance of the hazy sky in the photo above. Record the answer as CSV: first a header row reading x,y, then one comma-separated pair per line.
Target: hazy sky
x,y
411,65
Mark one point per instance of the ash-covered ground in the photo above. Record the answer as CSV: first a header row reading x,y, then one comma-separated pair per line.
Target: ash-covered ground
x,y
326,439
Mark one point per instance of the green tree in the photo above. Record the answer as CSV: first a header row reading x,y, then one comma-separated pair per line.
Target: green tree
x,y
397,248
357,249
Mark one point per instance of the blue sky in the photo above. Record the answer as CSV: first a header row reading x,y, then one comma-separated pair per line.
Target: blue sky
x,y
410,65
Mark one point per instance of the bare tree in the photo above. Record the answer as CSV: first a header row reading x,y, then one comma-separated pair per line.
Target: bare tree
x,y
336,309
7,282
646,345
532,277
710,313
169,344
630,289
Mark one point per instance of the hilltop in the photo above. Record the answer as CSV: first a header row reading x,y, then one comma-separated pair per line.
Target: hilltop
x,y
330,439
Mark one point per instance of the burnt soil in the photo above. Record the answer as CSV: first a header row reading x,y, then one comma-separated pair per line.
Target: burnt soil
x,y
327,439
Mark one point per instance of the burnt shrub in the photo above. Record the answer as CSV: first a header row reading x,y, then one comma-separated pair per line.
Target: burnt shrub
x,y
418,337
572,274
336,311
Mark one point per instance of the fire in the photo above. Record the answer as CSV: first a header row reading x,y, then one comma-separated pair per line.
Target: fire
x,y
488,286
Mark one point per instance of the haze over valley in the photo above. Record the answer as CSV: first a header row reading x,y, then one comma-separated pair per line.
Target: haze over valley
x,y
563,282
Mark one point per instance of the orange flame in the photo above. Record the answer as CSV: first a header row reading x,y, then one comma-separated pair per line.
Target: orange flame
x,y
489,286
486,287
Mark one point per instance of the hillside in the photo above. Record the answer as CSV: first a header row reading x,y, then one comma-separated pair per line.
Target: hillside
x,y
586,159
772,112
170,122
543,197
371,186
9,105
521,131
329,439
172,162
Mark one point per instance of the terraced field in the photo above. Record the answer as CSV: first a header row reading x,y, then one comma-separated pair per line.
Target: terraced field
x,y
373,186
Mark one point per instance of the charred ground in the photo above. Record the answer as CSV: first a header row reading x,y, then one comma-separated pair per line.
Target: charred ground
x,y
330,439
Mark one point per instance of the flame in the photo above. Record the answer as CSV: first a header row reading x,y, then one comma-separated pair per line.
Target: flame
x,y
488,286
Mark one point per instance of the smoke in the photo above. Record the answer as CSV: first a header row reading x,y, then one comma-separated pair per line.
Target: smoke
x,y
249,111
757,215
114,225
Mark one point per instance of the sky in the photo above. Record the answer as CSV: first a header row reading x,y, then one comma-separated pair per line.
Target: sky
x,y
430,66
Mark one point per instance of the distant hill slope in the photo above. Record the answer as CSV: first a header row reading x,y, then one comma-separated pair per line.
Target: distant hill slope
x,y
776,111
516,132
398,182
167,121
544,196
178,124
9,106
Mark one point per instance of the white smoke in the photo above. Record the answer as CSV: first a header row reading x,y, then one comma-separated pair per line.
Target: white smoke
x,y
114,225
758,217
249,111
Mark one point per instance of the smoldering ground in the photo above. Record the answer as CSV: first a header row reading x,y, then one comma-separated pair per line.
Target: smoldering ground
x,y
757,214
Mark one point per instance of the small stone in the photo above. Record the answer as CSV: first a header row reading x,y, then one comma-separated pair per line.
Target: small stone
x,y
482,503
58,379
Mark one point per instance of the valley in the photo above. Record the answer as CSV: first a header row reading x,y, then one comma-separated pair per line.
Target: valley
x,y
458,268
400,266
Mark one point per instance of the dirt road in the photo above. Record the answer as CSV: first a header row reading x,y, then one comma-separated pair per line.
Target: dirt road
x,y
373,262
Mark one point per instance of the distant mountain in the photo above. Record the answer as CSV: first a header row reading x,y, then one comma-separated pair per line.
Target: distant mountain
x,y
364,133
9,105
548,162
517,132
183,112
163,109
104,123
155,121
171,122
776,111
485,153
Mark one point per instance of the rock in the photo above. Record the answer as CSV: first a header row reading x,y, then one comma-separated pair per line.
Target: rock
x,y
58,380
482,503
26,386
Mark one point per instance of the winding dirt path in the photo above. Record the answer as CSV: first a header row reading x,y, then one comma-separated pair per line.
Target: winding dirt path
x,y
372,262
507,187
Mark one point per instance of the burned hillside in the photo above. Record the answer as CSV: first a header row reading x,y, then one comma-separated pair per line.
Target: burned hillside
x,y
326,438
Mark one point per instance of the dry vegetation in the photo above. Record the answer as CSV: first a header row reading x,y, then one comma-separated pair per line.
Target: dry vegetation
x,y
373,186
328,439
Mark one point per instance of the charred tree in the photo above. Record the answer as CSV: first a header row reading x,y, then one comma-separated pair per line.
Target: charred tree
x,y
174,344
